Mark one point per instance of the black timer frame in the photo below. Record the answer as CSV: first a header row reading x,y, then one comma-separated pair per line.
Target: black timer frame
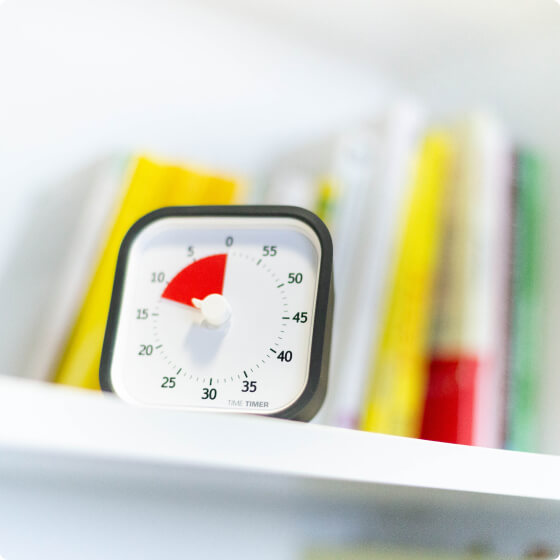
x,y
312,397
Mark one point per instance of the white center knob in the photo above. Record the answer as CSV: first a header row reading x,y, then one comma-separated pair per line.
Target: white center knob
x,y
215,309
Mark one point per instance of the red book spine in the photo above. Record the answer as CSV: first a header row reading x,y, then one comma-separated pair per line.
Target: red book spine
x,y
450,400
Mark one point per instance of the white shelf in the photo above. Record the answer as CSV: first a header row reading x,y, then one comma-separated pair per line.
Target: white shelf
x,y
54,420
55,436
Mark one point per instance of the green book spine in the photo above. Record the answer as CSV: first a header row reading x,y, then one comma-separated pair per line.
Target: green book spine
x,y
525,365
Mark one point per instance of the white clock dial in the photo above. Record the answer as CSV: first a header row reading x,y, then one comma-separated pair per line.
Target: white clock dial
x,y
217,312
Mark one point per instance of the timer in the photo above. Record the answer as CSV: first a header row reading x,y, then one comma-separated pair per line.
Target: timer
x,y
222,308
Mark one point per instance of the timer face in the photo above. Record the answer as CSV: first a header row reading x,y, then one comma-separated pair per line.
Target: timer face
x,y
218,312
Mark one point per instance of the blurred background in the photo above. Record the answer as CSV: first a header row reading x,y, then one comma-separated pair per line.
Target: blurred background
x,y
424,134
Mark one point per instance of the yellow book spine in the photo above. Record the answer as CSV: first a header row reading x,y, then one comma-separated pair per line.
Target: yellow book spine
x,y
395,397
327,200
152,185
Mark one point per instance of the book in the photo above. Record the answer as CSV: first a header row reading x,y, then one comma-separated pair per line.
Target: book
x,y
395,397
465,397
357,182
150,185
372,170
525,348
448,414
491,183
47,273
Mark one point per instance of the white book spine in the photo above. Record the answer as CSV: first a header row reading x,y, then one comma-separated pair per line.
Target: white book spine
x,y
102,194
365,248
490,270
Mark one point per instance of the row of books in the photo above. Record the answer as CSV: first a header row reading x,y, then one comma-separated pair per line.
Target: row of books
x,y
436,233
56,288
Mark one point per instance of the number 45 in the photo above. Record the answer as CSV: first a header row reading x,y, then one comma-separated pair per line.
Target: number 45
x,y
300,317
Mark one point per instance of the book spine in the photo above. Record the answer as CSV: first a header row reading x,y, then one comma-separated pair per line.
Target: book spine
x,y
395,399
524,349
386,146
468,367
449,404
490,273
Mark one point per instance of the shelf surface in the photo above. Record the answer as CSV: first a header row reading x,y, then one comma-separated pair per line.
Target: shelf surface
x,y
71,460
53,421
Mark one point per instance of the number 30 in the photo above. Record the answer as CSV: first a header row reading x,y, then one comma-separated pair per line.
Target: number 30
x,y
209,394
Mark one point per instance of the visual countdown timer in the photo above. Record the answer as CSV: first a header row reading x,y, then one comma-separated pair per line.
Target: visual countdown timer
x,y
223,308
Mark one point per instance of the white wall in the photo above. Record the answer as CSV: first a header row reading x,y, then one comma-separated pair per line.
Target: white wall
x,y
81,79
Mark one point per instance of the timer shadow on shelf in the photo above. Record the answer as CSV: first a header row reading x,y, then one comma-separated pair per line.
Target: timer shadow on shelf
x,y
222,308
